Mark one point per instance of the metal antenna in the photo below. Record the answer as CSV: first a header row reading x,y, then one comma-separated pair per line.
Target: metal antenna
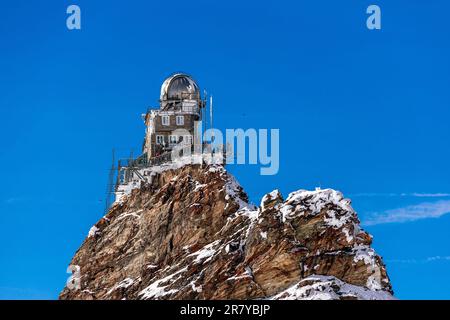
x,y
211,116
110,185
204,112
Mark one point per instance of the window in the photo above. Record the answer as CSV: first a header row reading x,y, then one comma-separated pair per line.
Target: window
x,y
187,139
122,176
173,139
165,120
180,120
160,139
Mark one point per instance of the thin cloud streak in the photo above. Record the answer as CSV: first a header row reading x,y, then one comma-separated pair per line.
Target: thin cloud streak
x,y
427,195
414,195
410,213
413,261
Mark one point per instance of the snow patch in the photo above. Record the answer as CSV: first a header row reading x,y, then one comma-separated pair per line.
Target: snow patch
x,y
304,202
130,214
93,231
125,283
157,290
148,173
247,274
233,190
364,253
318,287
205,253
269,197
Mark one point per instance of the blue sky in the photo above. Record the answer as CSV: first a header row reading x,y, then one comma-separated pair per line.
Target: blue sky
x,y
364,112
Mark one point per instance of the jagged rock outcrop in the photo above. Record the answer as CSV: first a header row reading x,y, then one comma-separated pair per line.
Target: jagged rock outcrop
x,y
190,234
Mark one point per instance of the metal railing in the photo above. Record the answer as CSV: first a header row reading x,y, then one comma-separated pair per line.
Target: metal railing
x,y
127,167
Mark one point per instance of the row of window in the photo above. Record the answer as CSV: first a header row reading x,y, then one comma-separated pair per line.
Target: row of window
x,y
173,139
165,120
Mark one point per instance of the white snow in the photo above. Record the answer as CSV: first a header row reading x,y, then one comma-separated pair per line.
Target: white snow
x,y
364,253
93,231
317,287
125,189
368,256
348,236
337,222
247,274
269,197
196,204
156,289
304,202
148,173
251,214
205,253
130,214
125,283
195,288
199,186
373,282
232,189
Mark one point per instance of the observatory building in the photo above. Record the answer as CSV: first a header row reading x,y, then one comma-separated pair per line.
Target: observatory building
x,y
174,122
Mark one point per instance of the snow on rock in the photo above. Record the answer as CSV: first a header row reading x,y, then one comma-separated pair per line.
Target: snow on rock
x,y
148,173
234,190
201,239
302,202
313,202
198,186
269,197
317,287
246,274
205,253
158,288
125,189
130,214
364,253
125,283
93,231
195,288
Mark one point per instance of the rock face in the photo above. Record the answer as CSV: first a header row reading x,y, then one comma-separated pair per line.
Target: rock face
x,y
191,234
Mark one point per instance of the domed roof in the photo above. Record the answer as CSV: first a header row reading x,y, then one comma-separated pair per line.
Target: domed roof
x,y
179,87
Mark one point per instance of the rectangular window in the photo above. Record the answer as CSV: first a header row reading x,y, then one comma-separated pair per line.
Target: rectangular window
x,y
173,139
180,120
160,139
187,139
165,120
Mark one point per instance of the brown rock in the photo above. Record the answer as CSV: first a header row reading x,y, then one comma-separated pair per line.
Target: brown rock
x,y
191,234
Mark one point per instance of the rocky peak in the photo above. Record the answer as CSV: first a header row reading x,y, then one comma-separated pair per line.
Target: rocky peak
x,y
190,233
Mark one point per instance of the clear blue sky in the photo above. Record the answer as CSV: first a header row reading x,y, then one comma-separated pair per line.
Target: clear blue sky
x,y
364,112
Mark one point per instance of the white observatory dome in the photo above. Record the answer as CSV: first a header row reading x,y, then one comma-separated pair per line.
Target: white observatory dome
x,y
179,87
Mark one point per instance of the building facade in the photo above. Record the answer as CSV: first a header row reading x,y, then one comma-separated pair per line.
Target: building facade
x,y
181,106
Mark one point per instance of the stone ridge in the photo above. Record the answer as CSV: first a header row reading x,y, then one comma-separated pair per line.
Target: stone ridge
x,y
191,234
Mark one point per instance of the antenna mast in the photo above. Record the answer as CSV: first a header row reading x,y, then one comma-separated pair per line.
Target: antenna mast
x,y
110,185
211,117
204,112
